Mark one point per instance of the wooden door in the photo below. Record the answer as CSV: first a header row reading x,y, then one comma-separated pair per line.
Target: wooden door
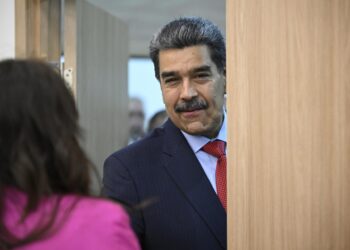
x,y
289,124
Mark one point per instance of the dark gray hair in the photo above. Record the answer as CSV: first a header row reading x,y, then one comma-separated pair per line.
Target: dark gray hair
x,y
189,31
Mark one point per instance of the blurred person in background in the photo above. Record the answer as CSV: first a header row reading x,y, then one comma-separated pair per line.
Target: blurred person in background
x,y
136,119
157,120
45,200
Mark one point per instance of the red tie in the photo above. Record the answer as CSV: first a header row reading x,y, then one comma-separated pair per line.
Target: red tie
x,y
217,149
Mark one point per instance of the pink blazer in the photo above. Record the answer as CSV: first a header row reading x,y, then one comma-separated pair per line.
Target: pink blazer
x,y
91,224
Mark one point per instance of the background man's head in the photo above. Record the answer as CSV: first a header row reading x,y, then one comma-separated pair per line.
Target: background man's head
x,y
136,118
157,120
189,61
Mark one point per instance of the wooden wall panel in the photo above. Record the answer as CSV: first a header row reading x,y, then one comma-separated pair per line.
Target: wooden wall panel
x,y
102,84
70,41
96,51
20,28
38,29
51,24
289,124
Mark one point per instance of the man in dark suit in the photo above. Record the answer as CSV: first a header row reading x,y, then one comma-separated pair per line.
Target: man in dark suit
x,y
179,170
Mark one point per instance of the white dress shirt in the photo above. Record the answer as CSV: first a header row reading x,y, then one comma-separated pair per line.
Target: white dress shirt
x,y
207,161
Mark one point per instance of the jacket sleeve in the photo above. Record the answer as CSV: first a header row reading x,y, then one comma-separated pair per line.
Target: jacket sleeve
x,y
119,185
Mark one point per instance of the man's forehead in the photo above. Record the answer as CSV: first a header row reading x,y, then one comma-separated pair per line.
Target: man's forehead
x,y
194,49
189,59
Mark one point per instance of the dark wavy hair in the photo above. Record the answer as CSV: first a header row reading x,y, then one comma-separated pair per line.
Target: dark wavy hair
x,y
189,31
40,153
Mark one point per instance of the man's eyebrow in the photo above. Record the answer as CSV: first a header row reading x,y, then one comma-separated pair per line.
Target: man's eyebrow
x,y
204,68
167,74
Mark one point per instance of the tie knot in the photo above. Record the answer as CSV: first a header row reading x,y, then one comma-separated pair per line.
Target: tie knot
x,y
215,148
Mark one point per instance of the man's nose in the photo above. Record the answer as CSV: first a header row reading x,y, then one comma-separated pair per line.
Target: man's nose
x,y
188,90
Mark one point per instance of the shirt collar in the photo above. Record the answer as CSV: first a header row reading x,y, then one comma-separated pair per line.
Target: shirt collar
x,y
196,142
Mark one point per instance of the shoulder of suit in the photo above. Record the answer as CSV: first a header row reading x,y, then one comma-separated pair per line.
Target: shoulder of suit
x,y
152,140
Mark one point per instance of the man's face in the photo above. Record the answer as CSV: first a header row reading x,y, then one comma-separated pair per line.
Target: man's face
x,y
193,89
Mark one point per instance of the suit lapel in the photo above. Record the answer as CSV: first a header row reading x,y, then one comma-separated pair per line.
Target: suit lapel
x,y
184,168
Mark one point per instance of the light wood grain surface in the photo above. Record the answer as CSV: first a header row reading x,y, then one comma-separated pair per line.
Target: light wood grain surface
x,y
289,124
37,29
20,28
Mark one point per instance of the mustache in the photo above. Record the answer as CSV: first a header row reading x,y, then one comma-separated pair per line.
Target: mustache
x,y
191,105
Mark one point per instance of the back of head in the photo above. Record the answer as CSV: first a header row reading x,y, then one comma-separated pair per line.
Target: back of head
x,y
189,31
39,149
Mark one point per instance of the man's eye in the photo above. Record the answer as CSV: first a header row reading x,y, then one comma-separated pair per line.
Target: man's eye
x,y
202,76
171,80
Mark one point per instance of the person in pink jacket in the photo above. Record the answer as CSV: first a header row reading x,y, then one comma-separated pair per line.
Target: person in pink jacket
x,y
45,202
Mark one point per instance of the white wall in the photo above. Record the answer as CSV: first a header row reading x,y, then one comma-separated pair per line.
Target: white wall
x,y
143,84
7,27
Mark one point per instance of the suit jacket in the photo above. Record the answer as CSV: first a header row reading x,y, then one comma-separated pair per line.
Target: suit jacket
x,y
184,211
81,223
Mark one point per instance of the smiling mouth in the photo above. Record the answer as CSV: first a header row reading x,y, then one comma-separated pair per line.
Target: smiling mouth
x,y
191,110
191,113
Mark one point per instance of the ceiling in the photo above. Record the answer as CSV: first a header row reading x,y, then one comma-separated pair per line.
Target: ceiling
x,y
145,17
